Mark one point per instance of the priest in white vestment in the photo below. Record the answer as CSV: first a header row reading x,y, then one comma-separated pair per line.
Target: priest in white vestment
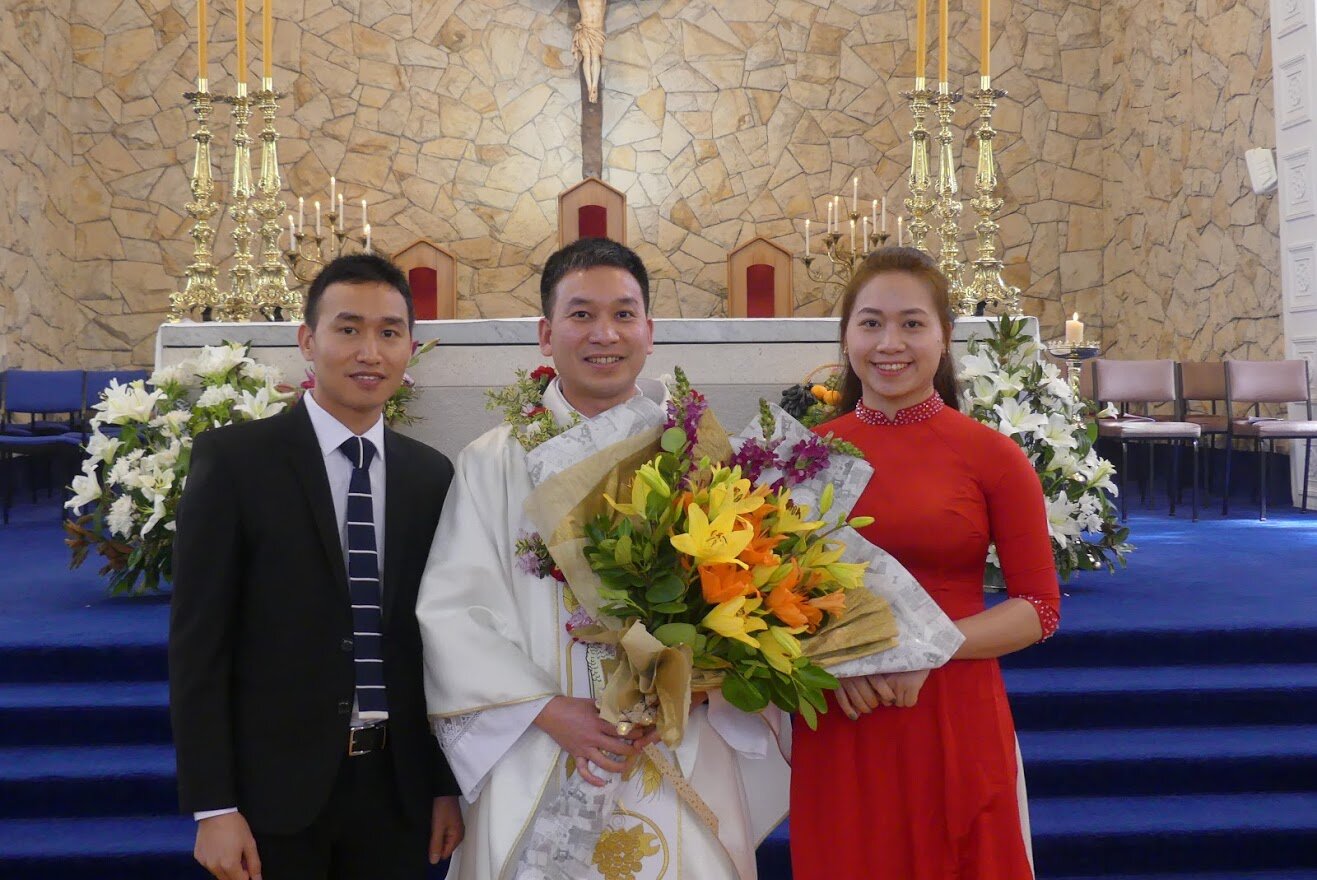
x,y
511,694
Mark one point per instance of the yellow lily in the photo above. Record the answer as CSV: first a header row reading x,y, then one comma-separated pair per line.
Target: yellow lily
x,y
647,481
734,620
788,519
734,495
713,542
779,648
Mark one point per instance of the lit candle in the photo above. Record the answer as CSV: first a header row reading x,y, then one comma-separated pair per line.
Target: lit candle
x,y
900,232
985,40
317,219
884,227
341,219
852,236
873,215
864,238
368,238
333,192
267,40
1074,329
855,195
807,237
301,214
921,40
942,30
242,42
201,45
292,234
364,222
836,214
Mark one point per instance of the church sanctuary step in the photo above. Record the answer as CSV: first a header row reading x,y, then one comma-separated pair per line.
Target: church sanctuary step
x,y
1185,760
111,661
140,847
1105,646
1296,874
87,781
1105,835
84,714
1096,697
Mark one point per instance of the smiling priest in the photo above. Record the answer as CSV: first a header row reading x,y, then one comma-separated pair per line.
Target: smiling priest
x,y
512,695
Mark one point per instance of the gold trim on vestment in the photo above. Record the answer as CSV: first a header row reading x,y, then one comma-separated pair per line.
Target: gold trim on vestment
x,y
517,702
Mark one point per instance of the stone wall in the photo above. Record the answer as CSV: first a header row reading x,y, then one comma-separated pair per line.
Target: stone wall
x,y
460,122
1192,261
38,314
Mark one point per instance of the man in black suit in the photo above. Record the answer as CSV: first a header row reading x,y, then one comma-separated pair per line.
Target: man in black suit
x,y
296,693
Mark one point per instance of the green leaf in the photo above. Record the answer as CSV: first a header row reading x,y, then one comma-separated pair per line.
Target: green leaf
x,y
622,552
676,634
817,677
670,607
666,588
673,440
808,714
743,695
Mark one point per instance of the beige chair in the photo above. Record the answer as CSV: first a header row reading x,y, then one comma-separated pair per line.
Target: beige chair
x,y
1258,382
591,209
1144,382
431,273
1204,382
759,280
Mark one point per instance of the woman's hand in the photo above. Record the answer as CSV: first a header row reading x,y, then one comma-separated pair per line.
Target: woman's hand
x,y
905,686
862,694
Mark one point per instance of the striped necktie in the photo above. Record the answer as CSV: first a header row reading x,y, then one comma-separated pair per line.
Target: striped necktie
x,y
364,582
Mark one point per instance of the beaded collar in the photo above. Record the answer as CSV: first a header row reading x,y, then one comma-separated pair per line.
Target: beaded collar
x,y
920,412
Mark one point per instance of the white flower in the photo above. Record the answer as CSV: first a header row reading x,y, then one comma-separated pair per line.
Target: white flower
x,y
179,374
173,422
1100,476
123,404
264,374
1017,419
258,405
218,395
973,366
101,448
984,390
1061,519
1058,433
124,469
85,490
157,514
1064,462
215,361
120,518
1055,384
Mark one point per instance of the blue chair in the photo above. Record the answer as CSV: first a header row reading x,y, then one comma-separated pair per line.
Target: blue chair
x,y
39,393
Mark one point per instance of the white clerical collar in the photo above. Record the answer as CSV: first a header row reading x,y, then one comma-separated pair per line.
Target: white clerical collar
x,y
565,414
331,433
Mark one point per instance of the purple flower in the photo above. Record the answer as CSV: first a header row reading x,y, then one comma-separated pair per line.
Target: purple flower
x,y
754,458
806,459
579,619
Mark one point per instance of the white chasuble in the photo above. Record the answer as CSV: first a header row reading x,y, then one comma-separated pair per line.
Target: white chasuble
x,y
498,647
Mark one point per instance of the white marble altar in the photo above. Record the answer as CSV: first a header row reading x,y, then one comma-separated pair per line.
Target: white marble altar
x,y
733,361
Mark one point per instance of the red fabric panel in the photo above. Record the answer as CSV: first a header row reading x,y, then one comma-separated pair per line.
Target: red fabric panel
x,y
592,221
425,292
760,299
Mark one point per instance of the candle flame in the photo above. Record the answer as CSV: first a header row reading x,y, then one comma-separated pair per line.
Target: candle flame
x,y
1075,316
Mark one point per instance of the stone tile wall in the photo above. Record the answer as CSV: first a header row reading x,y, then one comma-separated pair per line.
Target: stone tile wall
x,y
38,313
460,122
1191,257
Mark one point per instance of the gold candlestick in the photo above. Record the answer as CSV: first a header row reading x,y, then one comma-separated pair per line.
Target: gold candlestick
x,y
199,291
843,259
241,298
312,251
272,297
948,192
919,204
987,287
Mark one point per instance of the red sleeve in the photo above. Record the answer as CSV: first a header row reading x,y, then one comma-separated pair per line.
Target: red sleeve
x,y
1017,518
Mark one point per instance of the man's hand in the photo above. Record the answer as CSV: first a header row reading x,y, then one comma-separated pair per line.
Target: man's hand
x,y
906,685
225,847
446,828
574,724
864,693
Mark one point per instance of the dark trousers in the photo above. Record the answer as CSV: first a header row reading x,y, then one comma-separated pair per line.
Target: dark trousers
x,y
361,834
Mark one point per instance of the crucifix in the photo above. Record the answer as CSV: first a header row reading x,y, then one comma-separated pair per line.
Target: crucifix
x,y
588,50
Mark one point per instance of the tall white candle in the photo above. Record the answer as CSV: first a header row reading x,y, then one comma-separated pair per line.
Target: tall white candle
x,y
1074,329
864,237
900,232
873,215
852,236
855,195
292,234
317,219
342,219
884,226
365,223
807,236
301,214
333,192
367,238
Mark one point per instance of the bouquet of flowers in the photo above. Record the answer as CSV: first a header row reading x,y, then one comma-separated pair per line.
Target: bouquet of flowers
x,y
139,451
1009,389
734,571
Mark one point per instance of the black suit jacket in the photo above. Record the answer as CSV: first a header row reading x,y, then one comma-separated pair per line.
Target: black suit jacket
x,y
260,654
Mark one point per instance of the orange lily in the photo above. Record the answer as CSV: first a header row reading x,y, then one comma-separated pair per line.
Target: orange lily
x,y
724,582
760,550
830,603
789,606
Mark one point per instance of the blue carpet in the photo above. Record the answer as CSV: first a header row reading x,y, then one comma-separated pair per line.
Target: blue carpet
x,y
1169,731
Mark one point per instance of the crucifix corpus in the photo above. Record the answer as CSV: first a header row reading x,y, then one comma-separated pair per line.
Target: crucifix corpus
x,y
588,49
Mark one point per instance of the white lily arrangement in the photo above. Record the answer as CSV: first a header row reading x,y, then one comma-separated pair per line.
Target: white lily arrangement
x,y
1008,388
139,450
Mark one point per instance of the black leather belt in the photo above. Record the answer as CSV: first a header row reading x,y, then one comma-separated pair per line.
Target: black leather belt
x,y
364,740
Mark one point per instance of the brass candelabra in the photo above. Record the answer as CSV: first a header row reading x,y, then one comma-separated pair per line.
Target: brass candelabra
x,y
919,204
311,251
237,305
272,297
843,259
986,287
199,293
947,190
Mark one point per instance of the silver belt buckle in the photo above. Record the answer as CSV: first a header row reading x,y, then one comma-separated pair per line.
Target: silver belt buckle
x,y
353,749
